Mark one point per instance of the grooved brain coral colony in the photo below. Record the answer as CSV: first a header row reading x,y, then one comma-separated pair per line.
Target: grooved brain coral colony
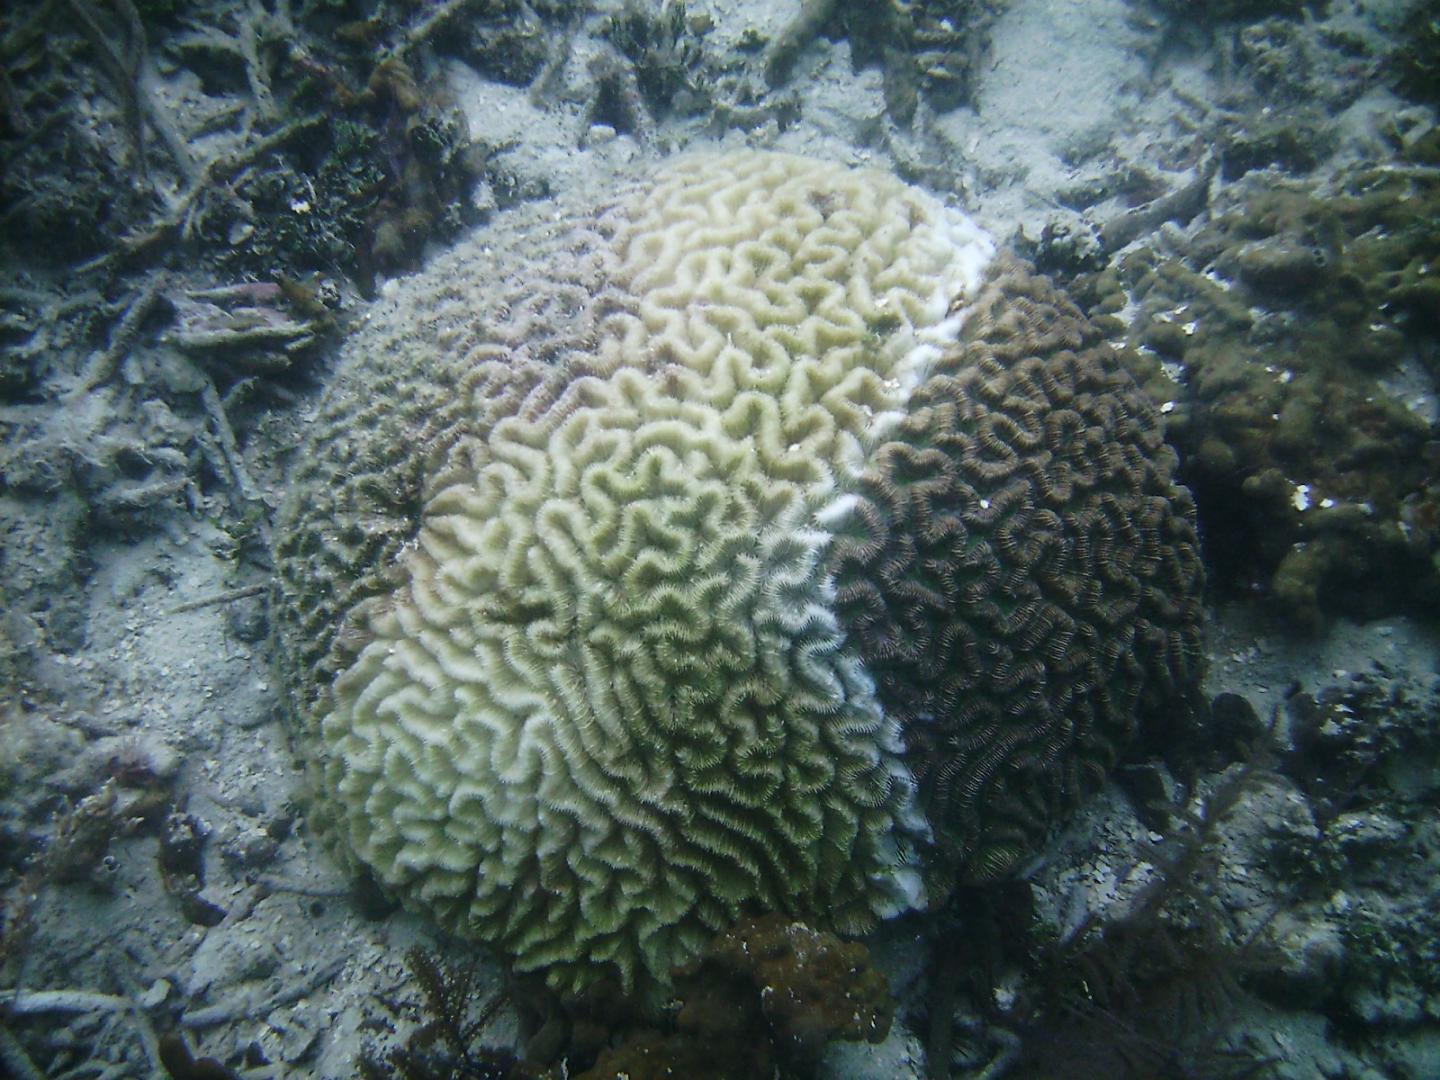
x,y
761,540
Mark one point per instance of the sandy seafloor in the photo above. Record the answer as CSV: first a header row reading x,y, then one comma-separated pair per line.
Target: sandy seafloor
x,y
289,981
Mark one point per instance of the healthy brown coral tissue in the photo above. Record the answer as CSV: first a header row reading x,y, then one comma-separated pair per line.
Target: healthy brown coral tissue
x,y
758,540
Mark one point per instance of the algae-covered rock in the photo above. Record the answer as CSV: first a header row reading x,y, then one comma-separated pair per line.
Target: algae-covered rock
x,y
1366,751
1233,9
1298,320
813,987
1416,65
766,996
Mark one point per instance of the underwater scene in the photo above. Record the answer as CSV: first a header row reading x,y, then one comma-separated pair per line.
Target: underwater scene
x,y
724,539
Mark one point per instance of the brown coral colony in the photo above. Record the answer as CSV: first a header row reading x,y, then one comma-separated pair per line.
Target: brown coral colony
x,y
1025,583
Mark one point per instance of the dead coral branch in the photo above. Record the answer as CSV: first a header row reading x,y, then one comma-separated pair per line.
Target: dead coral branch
x,y
127,64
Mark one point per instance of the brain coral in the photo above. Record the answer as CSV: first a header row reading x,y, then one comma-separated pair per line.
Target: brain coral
x,y
1021,573
632,546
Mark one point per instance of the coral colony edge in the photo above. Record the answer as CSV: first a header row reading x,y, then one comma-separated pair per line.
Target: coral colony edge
x,y
763,540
